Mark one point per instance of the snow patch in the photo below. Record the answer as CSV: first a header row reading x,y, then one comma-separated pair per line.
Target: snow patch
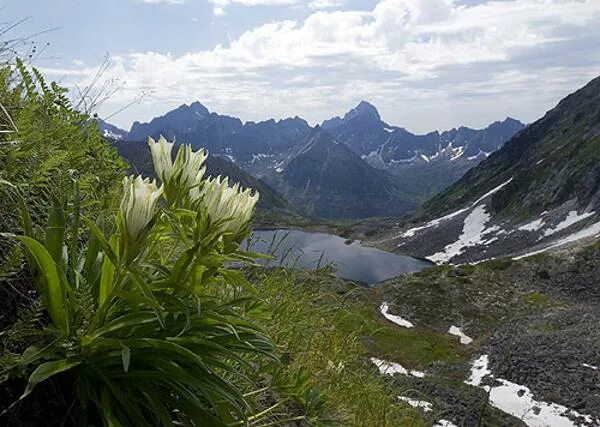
x,y
435,222
532,226
444,423
464,339
474,229
457,152
393,368
517,400
572,218
591,231
415,403
260,156
586,365
384,308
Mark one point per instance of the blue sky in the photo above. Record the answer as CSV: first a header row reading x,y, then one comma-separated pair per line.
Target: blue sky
x,y
426,64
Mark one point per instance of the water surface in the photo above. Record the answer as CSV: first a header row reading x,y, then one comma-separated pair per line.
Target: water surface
x,y
353,261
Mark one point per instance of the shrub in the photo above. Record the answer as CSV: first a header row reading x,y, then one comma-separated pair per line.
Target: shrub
x,y
147,317
45,147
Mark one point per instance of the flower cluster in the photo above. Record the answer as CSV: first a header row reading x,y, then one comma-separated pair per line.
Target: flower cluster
x,y
229,208
233,205
180,176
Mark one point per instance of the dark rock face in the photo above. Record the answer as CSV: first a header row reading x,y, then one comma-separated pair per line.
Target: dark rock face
x,y
365,133
331,181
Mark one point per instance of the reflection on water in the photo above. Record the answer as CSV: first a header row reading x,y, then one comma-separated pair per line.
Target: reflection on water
x,y
313,250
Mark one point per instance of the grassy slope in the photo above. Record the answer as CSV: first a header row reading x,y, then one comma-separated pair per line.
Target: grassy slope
x,y
329,327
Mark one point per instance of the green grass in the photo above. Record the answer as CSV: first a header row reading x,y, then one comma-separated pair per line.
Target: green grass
x,y
323,325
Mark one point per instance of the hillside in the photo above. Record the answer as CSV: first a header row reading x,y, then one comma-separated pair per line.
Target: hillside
x,y
552,161
540,190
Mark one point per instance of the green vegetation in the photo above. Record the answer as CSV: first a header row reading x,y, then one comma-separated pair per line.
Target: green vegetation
x,y
329,328
476,296
134,314
46,146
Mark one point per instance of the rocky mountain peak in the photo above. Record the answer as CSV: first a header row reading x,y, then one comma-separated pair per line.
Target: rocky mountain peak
x,y
363,109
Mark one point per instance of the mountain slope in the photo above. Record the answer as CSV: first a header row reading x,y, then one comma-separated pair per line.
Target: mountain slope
x,y
328,180
552,161
541,190
387,146
111,131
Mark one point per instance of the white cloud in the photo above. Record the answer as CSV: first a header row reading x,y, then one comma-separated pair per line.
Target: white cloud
x,y
220,5
426,63
325,4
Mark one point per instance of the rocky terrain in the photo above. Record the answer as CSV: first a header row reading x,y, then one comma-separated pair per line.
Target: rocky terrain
x,y
529,325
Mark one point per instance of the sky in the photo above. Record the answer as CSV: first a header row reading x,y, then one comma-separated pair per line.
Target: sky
x,y
425,64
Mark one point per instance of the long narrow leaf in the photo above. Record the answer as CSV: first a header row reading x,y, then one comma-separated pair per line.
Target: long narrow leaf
x,y
55,232
107,276
47,370
54,291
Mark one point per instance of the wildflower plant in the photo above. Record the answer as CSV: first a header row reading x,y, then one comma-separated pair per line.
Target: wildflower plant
x,y
146,314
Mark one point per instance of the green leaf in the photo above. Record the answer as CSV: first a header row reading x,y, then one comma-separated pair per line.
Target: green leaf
x,y
25,217
47,370
55,232
107,276
106,247
90,267
54,292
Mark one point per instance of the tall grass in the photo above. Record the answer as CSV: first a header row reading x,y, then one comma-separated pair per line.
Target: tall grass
x,y
311,314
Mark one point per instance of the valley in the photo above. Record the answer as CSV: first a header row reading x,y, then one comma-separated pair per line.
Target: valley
x,y
502,331
278,213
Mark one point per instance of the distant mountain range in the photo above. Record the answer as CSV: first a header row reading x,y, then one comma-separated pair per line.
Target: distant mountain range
x,y
540,190
386,169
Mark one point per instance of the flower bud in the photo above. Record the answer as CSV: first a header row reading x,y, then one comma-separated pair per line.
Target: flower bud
x,y
138,204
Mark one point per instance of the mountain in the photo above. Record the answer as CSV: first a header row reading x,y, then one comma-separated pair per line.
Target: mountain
x,y
423,164
385,146
329,180
540,190
228,136
138,156
111,131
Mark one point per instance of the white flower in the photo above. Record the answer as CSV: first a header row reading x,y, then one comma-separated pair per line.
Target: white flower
x,y
138,204
180,178
162,157
231,205
188,166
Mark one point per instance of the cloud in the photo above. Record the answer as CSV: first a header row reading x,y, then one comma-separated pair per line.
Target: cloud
x,y
220,5
426,63
325,4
